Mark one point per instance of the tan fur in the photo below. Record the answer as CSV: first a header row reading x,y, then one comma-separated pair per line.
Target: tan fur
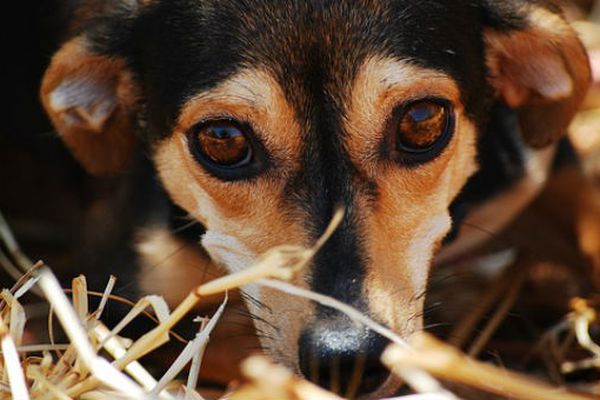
x,y
409,217
543,71
103,145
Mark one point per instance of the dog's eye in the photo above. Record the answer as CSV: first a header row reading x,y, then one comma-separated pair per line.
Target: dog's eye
x,y
223,143
422,125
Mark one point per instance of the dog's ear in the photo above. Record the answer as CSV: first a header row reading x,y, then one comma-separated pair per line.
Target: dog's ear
x,y
91,99
537,64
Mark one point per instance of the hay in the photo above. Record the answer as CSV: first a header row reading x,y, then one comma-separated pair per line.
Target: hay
x,y
76,370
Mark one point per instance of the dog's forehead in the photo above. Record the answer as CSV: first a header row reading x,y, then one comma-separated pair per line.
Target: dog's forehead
x,y
307,45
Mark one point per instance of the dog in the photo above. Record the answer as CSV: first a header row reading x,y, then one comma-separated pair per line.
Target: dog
x,y
261,118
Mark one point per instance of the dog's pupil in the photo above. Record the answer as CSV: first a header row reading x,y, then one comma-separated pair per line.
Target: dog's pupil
x,y
223,143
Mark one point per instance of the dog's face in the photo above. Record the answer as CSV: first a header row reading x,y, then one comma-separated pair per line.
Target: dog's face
x,y
264,117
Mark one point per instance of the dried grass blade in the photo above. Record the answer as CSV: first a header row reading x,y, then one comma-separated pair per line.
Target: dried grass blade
x,y
6,236
192,394
16,316
36,348
191,349
104,299
447,362
584,315
276,263
57,393
420,396
157,303
269,381
80,298
330,302
64,362
203,338
280,262
9,266
12,365
101,369
26,287
115,348
415,378
17,321
103,395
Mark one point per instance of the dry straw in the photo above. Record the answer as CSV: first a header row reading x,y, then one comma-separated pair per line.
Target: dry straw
x,y
76,370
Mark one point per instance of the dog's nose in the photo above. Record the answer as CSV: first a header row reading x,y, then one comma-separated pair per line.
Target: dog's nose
x,y
342,357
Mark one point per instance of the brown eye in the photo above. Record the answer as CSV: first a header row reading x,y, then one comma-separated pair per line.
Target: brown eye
x,y
422,125
223,143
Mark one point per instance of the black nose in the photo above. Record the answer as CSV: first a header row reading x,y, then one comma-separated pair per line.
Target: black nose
x,y
342,357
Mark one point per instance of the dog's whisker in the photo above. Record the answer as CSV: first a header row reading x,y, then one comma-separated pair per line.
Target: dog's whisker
x,y
420,295
255,317
437,325
441,277
185,226
254,300
495,236
426,310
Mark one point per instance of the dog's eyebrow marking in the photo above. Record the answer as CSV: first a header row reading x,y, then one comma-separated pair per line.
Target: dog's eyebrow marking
x,y
381,84
253,96
253,93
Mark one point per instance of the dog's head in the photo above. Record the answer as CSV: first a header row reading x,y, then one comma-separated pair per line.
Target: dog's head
x,y
263,117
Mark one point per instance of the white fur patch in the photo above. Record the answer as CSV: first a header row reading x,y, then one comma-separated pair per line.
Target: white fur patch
x,y
223,248
229,252
420,249
205,206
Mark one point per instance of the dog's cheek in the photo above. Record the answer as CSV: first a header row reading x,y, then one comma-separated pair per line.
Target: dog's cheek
x,y
242,219
412,212
399,267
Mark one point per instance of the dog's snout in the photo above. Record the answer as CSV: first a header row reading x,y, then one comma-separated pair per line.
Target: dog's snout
x,y
343,357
